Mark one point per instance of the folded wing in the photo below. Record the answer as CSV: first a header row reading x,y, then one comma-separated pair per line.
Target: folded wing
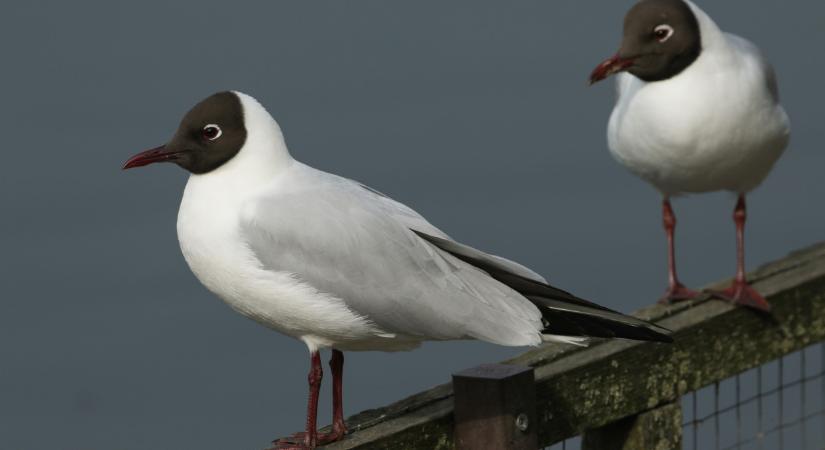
x,y
343,240
390,265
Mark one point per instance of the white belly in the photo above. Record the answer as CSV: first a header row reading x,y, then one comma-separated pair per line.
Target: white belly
x,y
220,259
688,138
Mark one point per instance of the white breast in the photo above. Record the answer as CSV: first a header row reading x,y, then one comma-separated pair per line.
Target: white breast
x,y
210,236
210,240
715,126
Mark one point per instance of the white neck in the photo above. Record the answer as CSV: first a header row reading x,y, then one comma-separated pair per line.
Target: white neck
x,y
712,35
263,155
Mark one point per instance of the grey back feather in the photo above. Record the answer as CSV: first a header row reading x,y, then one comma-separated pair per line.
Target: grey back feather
x,y
358,245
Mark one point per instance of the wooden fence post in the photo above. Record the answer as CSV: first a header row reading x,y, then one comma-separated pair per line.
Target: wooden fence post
x,y
495,408
657,429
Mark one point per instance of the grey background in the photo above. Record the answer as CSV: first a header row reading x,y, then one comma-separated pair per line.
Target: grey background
x,y
476,113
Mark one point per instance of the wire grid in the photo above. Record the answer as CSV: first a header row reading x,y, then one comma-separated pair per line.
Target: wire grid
x,y
777,406
574,443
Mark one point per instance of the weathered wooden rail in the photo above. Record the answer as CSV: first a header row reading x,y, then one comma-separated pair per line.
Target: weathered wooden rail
x,y
626,393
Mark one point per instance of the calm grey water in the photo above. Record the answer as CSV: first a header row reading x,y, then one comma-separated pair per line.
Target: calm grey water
x,y
476,113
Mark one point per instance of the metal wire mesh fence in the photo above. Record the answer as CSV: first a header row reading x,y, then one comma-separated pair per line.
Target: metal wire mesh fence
x,y
779,405
776,406
574,443
618,393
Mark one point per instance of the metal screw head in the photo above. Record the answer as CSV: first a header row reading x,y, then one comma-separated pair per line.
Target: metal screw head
x,y
522,422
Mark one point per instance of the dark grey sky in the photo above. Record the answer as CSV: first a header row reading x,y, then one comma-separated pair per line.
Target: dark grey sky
x,y
476,113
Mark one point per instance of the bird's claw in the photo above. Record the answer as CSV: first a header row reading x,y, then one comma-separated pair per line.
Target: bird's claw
x,y
296,441
741,293
299,441
678,293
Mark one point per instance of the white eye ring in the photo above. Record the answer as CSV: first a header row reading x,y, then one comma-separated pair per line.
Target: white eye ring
x,y
208,135
663,32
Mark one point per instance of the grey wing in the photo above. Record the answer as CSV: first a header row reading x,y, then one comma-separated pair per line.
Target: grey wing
x,y
563,313
753,52
419,224
354,244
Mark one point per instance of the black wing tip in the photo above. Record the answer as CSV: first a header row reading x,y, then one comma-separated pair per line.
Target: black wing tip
x,y
580,323
622,326
661,333
648,332
654,333
655,336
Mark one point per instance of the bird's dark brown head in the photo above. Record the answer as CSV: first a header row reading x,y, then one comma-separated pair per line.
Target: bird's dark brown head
x,y
661,39
209,135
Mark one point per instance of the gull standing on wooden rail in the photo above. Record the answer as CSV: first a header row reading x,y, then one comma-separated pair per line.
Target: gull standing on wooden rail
x,y
698,111
338,265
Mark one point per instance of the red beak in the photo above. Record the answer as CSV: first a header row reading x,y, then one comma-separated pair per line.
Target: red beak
x,y
611,66
157,154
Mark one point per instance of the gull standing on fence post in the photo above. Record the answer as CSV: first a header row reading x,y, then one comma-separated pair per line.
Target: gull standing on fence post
x,y
698,111
338,265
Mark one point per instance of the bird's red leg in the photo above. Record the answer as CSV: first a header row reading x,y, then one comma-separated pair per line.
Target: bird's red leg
x,y
339,428
676,291
309,439
741,293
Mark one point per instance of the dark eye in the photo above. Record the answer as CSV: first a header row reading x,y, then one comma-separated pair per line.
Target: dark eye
x,y
211,132
663,32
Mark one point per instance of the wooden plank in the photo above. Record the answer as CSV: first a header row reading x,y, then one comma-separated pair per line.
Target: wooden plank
x,y
657,429
421,421
579,389
714,341
495,408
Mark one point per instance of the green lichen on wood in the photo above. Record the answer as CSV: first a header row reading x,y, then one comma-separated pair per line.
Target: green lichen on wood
x,y
658,429
436,435
727,342
581,389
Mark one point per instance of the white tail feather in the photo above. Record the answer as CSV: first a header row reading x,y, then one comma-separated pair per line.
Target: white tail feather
x,y
572,340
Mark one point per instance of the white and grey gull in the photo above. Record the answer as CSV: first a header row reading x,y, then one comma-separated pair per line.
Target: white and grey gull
x,y
697,111
337,265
